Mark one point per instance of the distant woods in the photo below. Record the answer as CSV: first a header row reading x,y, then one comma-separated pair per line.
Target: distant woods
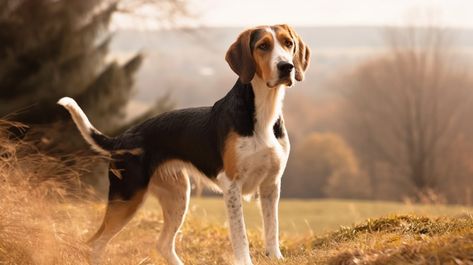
x,y
58,48
50,49
405,126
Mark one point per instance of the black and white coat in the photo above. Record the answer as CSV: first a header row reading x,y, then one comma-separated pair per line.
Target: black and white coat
x,y
237,146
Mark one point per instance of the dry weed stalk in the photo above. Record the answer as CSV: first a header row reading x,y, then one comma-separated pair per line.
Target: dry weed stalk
x,y
33,229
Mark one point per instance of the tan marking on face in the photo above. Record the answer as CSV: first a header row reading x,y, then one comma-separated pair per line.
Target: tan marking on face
x,y
263,57
274,44
230,156
301,53
285,39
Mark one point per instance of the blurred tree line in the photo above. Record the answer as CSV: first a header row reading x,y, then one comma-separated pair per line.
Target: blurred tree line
x,y
409,115
404,127
55,48
50,49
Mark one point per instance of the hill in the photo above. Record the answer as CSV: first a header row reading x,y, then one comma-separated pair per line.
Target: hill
x,y
393,239
46,215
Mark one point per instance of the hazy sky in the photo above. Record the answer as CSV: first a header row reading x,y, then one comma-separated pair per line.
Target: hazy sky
x,y
246,13
331,12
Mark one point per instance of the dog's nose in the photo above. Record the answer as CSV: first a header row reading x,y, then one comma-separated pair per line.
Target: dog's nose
x,y
285,67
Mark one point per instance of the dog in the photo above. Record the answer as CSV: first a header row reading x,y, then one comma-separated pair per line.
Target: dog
x,y
239,146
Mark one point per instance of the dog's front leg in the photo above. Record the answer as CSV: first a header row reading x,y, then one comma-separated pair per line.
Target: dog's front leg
x,y
239,239
269,199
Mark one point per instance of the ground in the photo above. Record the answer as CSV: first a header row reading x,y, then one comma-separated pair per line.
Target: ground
x,y
312,232
410,235
306,238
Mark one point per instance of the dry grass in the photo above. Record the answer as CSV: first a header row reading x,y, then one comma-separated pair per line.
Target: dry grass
x,y
46,214
402,240
32,231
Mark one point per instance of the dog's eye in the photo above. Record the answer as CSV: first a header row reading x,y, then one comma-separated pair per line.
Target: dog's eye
x,y
263,46
289,43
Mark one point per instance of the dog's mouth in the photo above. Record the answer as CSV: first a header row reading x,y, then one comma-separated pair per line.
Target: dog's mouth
x,y
287,81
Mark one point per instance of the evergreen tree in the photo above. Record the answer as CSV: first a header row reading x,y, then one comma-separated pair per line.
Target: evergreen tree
x,y
50,49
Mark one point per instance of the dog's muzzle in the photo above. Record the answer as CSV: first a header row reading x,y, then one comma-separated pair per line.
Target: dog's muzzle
x,y
285,69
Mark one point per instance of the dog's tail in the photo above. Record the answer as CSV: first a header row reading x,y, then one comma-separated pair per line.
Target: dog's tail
x,y
99,142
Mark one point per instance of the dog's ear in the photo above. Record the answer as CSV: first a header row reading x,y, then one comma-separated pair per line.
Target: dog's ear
x,y
301,54
240,57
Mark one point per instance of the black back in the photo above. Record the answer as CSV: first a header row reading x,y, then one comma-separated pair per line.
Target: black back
x,y
197,135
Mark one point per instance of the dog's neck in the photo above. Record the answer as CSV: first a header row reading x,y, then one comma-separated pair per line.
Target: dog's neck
x,y
268,105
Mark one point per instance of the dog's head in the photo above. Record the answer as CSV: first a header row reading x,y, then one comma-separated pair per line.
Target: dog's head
x,y
276,54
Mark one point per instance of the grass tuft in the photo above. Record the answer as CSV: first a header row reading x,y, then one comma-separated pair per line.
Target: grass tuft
x,y
402,239
32,229
408,225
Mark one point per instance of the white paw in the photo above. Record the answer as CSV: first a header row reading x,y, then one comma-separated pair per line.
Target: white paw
x,y
275,254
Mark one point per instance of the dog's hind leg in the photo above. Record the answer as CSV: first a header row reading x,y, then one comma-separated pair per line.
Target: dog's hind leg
x,y
117,215
126,193
173,193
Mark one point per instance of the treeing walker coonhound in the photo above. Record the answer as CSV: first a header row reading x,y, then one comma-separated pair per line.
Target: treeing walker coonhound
x,y
239,145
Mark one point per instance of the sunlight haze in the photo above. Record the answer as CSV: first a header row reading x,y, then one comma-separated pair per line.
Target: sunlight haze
x,y
337,12
245,13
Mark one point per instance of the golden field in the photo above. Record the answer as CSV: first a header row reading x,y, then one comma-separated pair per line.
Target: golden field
x,y
46,214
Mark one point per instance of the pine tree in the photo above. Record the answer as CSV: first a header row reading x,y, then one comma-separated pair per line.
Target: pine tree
x,y
50,49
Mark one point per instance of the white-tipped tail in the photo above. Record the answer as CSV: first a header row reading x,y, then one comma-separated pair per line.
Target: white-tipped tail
x,y
82,122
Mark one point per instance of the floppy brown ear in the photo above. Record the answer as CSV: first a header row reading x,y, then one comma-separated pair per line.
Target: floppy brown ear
x,y
301,55
240,58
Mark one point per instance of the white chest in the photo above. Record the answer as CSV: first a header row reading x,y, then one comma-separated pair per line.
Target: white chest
x,y
260,159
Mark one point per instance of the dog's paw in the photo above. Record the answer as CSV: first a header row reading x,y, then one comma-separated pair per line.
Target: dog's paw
x,y
276,254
